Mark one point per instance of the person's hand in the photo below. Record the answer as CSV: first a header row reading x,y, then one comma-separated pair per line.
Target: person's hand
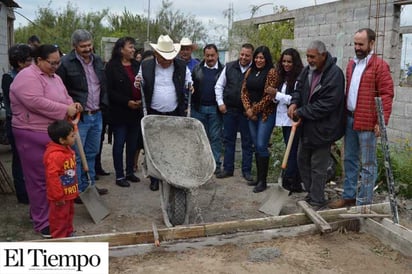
x,y
222,109
271,90
133,104
292,110
72,109
137,81
377,131
78,107
249,113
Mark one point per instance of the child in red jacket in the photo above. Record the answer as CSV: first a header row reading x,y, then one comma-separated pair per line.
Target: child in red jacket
x,y
61,180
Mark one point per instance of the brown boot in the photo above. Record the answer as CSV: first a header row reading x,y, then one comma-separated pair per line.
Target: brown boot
x,y
342,203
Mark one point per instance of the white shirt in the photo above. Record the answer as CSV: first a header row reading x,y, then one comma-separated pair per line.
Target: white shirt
x,y
164,92
221,83
283,99
355,81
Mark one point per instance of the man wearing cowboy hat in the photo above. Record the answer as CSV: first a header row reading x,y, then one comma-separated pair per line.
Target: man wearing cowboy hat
x,y
163,79
185,54
186,51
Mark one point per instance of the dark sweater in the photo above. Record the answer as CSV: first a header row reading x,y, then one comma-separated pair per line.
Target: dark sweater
x,y
207,87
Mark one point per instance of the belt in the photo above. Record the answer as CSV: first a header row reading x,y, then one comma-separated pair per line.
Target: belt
x,y
91,112
169,113
350,113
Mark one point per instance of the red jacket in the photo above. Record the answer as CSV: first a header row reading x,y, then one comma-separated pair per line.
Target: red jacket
x,y
376,80
60,166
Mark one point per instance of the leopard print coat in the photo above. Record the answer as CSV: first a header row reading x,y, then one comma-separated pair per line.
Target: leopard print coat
x,y
265,106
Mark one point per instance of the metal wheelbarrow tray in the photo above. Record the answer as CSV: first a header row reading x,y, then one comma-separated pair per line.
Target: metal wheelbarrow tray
x,y
177,152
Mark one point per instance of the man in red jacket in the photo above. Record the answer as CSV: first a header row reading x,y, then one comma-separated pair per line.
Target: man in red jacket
x,y
367,76
61,180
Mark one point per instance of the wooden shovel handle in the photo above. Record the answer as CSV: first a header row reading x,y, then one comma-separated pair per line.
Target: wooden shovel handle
x,y
78,141
289,144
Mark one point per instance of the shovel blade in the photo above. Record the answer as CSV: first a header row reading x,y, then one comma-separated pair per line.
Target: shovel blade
x,y
94,204
276,197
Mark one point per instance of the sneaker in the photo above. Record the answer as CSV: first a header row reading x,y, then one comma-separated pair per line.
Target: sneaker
x,y
122,183
45,232
132,178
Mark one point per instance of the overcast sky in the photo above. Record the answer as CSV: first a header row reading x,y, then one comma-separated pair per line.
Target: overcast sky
x,y
204,10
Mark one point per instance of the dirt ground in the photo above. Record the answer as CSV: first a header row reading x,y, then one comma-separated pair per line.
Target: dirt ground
x,y
135,208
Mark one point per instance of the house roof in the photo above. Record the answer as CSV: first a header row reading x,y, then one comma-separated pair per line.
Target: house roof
x,y
10,3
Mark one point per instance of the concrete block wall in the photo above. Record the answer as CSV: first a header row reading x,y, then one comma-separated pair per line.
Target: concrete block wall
x,y
400,124
4,67
336,29
335,24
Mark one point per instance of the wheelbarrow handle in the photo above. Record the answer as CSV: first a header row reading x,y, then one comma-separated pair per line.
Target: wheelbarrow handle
x,y
143,100
289,144
189,100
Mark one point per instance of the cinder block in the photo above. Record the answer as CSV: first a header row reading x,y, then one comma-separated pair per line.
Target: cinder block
x,y
361,13
325,30
310,20
398,108
408,111
349,13
320,18
313,31
403,94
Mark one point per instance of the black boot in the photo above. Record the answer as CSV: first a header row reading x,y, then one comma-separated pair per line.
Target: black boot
x,y
263,173
287,183
296,184
253,183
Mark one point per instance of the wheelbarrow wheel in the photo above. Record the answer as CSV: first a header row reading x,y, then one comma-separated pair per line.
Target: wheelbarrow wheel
x,y
177,206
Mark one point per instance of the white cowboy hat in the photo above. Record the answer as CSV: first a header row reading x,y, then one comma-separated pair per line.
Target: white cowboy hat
x,y
165,47
186,42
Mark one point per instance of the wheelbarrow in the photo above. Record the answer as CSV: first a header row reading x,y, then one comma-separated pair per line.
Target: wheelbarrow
x,y
178,153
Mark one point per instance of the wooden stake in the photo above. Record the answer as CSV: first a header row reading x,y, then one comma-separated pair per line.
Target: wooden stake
x,y
315,217
155,235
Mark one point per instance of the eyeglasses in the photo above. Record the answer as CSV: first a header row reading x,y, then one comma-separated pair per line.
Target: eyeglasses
x,y
53,63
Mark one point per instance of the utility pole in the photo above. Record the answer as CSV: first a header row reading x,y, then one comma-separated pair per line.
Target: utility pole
x,y
147,43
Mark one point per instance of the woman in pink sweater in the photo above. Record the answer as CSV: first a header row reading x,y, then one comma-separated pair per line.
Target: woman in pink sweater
x,y
38,97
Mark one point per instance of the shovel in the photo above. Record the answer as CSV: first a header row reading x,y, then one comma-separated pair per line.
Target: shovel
x,y
92,200
277,195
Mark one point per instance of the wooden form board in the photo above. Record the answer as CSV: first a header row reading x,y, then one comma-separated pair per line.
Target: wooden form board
x,y
396,236
214,229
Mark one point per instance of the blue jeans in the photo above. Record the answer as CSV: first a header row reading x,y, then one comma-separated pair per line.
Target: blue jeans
x,y
234,121
90,130
360,154
124,134
260,132
212,121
